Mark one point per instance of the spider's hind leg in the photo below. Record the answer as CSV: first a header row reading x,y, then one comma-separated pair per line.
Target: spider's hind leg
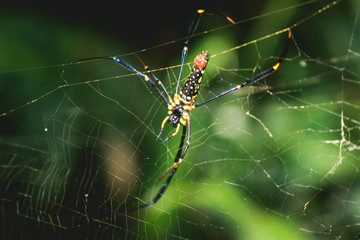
x,y
171,173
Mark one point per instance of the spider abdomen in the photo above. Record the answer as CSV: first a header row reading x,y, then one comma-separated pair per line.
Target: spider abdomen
x,y
191,86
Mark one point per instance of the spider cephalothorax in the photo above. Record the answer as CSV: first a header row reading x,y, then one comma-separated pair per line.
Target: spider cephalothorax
x,y
176,115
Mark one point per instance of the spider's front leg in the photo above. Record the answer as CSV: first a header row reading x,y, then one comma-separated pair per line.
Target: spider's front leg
x,y
177,116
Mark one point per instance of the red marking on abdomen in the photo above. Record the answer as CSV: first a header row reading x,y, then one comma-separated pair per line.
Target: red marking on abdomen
x,y
201,60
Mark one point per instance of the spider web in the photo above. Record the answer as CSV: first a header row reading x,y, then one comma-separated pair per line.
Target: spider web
x,y
276,160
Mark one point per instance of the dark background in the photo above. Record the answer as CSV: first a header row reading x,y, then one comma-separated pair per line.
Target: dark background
x,y
60,175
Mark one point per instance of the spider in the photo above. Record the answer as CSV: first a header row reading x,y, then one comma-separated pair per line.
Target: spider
x,y
184,100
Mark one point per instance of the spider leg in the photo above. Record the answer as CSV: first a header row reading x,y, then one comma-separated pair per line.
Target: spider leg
x,y
128,66
171,135
162,127
146,77
257,77
187,141
177,163
160,193
192,29
153,75
171,174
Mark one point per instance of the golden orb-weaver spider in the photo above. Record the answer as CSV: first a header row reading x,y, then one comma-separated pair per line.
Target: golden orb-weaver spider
x,y
184,101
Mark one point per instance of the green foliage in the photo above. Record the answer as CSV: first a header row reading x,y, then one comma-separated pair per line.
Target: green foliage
x,y
278,160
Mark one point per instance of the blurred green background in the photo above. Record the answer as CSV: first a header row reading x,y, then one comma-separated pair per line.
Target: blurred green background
x,y
278,160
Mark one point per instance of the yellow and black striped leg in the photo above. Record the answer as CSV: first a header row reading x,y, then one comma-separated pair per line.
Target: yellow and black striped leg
x,y
171,135
162,127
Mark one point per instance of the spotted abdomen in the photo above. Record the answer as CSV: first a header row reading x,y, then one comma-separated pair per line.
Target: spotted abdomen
x,y
190,88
